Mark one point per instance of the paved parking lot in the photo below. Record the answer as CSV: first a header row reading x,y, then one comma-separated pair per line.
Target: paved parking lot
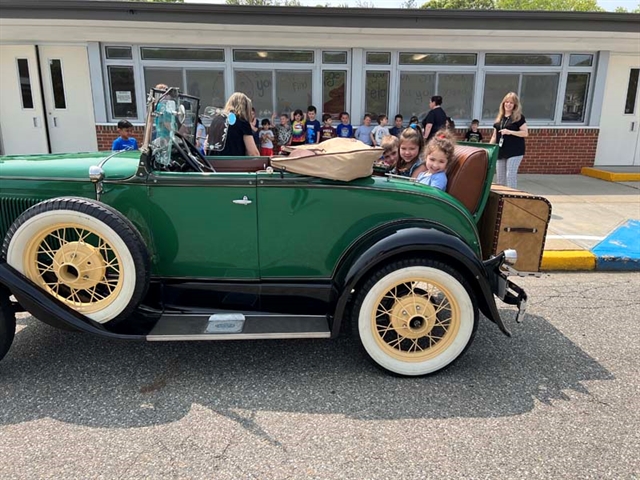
x,y
558,400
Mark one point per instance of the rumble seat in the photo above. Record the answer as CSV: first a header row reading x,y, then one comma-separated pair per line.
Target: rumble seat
x,y
467,175
238,165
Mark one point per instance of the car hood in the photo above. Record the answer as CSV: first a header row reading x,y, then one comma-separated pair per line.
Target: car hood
x,y
69,165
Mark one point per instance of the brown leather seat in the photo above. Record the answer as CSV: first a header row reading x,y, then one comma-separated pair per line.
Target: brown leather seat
x,y
238,164
467,175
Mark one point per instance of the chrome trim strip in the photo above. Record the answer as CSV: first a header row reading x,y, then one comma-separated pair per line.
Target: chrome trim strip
x,y
237,336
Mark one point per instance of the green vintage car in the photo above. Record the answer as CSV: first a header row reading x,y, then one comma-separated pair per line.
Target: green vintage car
x,y
164,244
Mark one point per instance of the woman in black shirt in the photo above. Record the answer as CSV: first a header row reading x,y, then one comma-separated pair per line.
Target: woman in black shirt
x,y
509,133
238,141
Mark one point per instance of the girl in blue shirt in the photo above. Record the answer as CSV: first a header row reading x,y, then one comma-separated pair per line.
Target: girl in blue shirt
x,y
439,153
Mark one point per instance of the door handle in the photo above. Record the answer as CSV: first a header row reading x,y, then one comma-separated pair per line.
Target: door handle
x,y
35,122
55,121
244,201
633,127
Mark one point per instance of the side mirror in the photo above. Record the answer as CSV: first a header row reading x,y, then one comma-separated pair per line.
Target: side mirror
x,y
182,114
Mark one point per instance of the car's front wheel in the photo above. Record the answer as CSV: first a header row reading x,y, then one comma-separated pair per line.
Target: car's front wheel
x,y
84,253
415,317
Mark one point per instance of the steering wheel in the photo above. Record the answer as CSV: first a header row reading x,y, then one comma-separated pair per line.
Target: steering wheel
x,y
191,154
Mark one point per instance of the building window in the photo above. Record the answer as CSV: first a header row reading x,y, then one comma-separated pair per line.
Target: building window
x,y
258,86
207,85
334,57
265,56
437,58
575,97
457,89
415,91
580,60
632,92
334,95
537,92
293,91
25,83
182,54
118,53
122,92
57,84
522,59
378,58
377,93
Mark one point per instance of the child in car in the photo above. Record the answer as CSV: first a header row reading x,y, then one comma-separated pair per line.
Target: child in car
x,y
439,153
390,144
409,148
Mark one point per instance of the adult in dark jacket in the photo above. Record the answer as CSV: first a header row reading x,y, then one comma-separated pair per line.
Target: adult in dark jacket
x,y
435,120
509,133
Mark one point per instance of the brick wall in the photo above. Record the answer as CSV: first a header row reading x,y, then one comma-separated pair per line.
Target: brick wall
x,y
549,150
555,150
108,133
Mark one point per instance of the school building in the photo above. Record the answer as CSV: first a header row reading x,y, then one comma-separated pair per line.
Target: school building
x,y
69,70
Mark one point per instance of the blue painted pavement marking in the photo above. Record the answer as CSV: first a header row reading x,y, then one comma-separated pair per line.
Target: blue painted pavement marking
x,y
620,250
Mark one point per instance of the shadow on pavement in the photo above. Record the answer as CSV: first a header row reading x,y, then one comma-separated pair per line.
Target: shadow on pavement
x,y
79,379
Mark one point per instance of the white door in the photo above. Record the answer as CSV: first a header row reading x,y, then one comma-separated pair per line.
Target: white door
x,y
69,103
620,121
21,112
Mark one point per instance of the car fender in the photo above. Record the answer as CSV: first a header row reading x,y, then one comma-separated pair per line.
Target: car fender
x,y
412,238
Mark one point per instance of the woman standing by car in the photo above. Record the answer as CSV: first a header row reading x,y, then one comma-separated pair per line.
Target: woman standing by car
x,y
509,133
238,137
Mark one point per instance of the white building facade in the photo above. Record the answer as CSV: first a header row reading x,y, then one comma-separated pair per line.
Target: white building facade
x,y
69,71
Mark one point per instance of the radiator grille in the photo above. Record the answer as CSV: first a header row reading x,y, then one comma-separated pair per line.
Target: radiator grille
x,y
10,209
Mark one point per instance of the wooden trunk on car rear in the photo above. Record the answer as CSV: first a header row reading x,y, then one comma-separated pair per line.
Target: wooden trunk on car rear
x,y
517,220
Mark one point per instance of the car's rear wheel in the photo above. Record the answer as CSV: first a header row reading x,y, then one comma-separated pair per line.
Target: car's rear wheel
x,y
415,317
82,252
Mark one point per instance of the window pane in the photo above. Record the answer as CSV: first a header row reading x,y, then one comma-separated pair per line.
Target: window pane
x,y
632,92
456,90
57,84
575,97
208,86
193,54
495,88
25,83
522,59
437,59
122,92
334,99
289,56
118,52
581,60
258,86
538,95
416,89
334,57
171,77
293,90
376,94
379,58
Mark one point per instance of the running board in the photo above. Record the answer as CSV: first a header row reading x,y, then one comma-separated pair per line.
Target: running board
x,y
237,326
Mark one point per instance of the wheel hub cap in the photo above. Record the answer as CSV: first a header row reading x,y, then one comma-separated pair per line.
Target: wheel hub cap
x,y
79,265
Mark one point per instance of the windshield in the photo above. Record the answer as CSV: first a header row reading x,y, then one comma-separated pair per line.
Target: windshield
x,y
169,112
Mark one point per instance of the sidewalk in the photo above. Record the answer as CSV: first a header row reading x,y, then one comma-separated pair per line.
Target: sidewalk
x,y
595,224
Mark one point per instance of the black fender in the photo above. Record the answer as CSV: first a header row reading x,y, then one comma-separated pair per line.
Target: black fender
x,y
414,238
40,304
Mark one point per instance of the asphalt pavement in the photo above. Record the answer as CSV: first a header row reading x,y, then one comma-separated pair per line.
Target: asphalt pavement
x,y
557,400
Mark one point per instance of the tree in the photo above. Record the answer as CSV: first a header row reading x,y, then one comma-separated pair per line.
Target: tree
x,y
460,4
409,4
550,5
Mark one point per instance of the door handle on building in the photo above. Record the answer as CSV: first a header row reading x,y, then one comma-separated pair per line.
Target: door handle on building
x,y
35,122
633,127
55,121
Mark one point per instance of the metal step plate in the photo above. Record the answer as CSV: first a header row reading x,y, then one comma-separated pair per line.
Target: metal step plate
x,y
238,326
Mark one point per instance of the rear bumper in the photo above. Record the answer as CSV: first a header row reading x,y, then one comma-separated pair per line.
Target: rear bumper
x,y
504,289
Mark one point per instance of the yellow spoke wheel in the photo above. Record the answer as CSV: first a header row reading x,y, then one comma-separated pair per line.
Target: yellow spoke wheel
x,y
76,265
415,317
415,320
84,253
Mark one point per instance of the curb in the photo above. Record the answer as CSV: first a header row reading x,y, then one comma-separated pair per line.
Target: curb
x,y
610,176
568,260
